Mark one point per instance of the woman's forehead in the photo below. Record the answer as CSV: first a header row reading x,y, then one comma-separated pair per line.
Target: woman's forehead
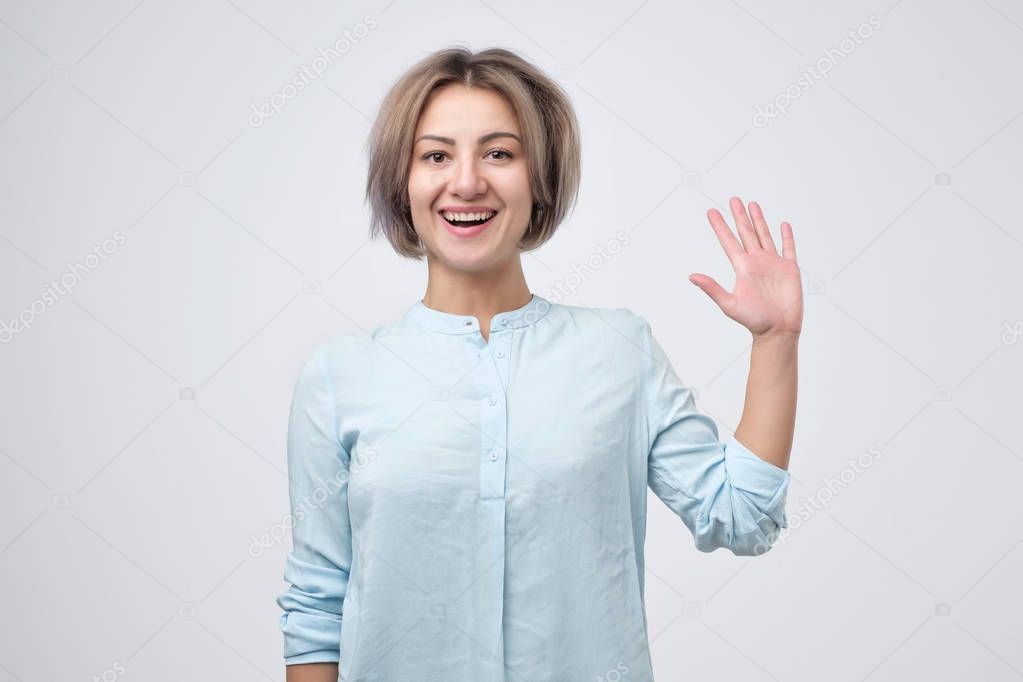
x,y
458,111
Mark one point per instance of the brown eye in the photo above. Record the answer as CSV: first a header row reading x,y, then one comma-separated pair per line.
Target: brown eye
x,y
506,154
432,156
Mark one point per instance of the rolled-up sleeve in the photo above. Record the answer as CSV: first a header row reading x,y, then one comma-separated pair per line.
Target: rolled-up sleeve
x,y
318,565
724,493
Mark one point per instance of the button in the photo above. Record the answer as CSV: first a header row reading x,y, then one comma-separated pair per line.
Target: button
x,y
493,455
500,323
492,400
468,323
500,353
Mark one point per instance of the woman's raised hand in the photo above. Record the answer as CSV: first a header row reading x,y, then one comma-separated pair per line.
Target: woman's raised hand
x,y
768,295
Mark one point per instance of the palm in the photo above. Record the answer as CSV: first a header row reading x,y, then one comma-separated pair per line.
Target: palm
x,y
768,293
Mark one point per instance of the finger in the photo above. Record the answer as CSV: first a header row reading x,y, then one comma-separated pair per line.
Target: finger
x,y
710,287
724,234
760,223
749,237
788,244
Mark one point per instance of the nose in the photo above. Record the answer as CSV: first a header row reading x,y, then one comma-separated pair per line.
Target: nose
x,y
466,181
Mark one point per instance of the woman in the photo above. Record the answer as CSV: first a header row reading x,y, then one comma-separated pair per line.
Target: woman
x,y
469,481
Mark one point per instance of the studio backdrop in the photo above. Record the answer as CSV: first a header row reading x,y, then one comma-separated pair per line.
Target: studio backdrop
x,y
182,223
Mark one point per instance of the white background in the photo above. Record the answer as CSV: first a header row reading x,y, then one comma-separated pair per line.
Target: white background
x,y
144,413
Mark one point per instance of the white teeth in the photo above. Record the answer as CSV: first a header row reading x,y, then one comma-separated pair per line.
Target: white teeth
x,y
486,215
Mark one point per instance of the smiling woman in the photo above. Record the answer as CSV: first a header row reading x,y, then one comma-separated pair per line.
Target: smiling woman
x,y
481,148
493,108
481,464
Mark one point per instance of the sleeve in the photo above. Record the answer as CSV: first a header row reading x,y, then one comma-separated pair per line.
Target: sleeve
x,y
725,494
318,565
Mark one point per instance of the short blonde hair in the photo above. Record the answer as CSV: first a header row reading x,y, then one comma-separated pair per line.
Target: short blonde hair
x,y
548,123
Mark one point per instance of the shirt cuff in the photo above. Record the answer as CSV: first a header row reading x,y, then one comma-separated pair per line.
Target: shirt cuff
x,y
767,483
325,656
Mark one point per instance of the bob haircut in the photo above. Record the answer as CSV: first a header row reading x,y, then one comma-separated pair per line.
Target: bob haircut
x,y
545,116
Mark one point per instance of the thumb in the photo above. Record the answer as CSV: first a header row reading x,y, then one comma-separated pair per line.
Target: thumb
x,y
710,287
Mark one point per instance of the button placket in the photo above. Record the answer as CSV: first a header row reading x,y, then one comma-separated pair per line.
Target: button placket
x,y
501,347
494,425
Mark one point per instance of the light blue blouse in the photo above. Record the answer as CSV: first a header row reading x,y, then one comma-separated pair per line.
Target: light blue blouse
x,y
474,510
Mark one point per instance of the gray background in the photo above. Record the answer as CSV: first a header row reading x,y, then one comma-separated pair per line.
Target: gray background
x,y
143,440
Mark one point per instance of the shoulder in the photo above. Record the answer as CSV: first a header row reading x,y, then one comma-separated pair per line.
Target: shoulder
x,y
610,325
334,361
348,351
342,349
616,338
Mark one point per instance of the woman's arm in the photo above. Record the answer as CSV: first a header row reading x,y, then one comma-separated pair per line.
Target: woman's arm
x,y
312,672
769,416
318,566
768,300
726,494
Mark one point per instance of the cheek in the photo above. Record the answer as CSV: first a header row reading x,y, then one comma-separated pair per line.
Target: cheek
x,y
515,190
423,188
522,188
419,193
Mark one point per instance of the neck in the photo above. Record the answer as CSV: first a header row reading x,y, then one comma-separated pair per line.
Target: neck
x,y
481,294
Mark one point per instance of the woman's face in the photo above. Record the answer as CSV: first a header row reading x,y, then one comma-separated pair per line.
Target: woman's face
x,y
468,159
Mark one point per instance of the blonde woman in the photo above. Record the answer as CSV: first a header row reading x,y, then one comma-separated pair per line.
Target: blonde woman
x,y
469,481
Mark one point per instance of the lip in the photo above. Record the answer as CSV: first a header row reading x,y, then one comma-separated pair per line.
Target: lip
x,y
466,209
466,232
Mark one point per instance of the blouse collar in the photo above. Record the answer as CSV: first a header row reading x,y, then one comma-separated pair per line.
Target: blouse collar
x,y
452,323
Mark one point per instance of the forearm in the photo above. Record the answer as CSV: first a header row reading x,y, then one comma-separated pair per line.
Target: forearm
x,y
312,672
769,415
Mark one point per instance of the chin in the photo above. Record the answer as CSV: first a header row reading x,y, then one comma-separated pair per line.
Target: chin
x,y
472,258
469,262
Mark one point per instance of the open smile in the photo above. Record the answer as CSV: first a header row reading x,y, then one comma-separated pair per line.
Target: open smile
x,y
467,223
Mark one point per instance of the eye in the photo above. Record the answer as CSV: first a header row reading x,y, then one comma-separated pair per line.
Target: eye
x,y
438,157
431,157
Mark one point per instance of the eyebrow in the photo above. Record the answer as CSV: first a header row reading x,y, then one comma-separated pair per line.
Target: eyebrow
x,y
483,140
